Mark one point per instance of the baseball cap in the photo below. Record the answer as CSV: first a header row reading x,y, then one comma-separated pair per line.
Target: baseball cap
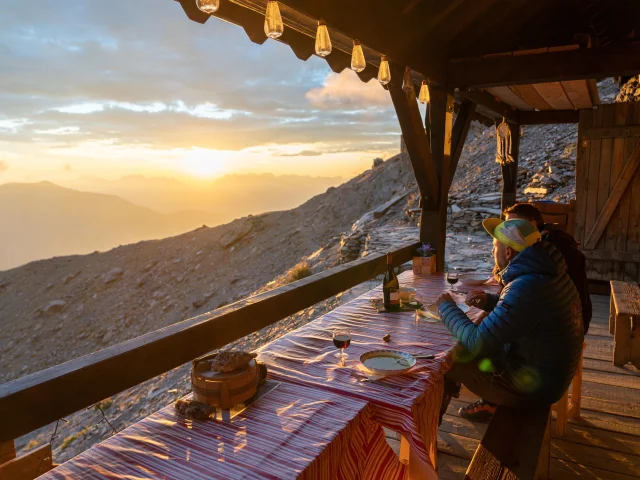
x,y
517,233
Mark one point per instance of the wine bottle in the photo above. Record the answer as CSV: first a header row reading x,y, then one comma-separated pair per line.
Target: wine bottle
x,y
390,287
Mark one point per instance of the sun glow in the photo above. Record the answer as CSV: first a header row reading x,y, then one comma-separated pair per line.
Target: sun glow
x,y
204,163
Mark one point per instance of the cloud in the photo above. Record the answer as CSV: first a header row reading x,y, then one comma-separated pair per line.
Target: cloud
x,y
4,166
303,153
67,167
346,90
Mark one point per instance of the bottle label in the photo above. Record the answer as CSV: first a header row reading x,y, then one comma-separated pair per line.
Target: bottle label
x,y
394,297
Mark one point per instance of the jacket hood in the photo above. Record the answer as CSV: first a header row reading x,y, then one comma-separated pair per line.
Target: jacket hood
x,y
540,259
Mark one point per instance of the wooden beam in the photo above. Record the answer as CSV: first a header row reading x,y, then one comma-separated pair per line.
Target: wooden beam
x,y
547,117
614,199
614,255
510,171
415,139
492,103
7,451
29,465
433,221
611,132
39,399
459,134
545,67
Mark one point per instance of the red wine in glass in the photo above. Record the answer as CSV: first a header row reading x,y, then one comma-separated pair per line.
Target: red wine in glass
x,y
342,339
452,278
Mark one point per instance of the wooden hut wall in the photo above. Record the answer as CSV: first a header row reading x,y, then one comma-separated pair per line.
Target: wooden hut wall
x,y
608,191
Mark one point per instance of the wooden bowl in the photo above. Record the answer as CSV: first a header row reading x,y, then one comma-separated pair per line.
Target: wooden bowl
x,y
224,390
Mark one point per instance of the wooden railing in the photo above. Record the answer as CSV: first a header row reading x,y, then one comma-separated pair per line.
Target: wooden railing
x,y
38,399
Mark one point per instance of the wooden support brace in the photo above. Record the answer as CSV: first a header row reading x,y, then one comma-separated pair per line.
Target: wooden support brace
x,y
415,139
614,199
459,134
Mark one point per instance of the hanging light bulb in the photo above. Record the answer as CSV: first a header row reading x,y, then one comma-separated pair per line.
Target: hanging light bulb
x,y
208,6
384,74
358,63
424,96
323,42
407,83
273,25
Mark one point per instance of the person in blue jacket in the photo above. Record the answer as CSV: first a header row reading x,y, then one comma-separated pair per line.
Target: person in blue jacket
x,y
525,352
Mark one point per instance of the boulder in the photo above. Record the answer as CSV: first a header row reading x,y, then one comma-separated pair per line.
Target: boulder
x,y
537,190
113,275
55,306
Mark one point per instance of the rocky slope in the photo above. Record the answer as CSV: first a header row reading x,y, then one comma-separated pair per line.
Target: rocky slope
x,y
58,309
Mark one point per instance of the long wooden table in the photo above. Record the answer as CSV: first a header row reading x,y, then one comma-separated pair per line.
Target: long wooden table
x,y
408,404
319,423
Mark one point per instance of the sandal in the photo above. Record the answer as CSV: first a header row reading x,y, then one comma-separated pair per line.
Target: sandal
x,y
479,411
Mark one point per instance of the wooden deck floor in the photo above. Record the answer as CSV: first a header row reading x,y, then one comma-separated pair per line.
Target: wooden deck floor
x,y
603,444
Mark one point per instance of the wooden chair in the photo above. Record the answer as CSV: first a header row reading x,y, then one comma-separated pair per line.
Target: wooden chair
x,y
516,446
565,408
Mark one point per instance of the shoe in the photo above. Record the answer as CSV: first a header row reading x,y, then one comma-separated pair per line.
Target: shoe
x,y
479,411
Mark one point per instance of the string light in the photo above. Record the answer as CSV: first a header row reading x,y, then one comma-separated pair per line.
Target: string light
x,y
208,6
384,73
323,42
358,63
273,25
407,83
424,96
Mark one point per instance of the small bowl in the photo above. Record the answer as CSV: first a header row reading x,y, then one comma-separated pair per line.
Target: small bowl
x,y
406,293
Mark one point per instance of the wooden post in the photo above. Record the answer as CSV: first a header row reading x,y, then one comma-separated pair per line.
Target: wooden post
x,y
7,451
510,171
433,222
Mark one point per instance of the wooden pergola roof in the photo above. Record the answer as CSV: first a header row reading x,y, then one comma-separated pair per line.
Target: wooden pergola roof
x,y
520,59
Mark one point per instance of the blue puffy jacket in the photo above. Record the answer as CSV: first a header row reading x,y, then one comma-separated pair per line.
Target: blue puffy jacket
x,y
534,329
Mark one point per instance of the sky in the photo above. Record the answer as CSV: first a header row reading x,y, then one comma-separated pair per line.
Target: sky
x,y
112,88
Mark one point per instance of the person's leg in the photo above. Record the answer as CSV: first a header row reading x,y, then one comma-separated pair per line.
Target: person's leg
x,y
485,379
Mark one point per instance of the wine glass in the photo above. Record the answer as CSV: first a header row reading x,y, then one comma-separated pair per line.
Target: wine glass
x,y
342,339
452,278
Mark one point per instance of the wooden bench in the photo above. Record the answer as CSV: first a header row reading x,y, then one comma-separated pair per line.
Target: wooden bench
x,y
624,322
566,408
25,467
516,446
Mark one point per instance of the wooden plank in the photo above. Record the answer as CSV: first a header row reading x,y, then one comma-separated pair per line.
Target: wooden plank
x,y
582,168
28,466
485,99
36,400
619,189
578,93
624,209
633,235
612,255
622,345
591,189
618,130
605,269
530,96
512,443
7,451
506,95
607,378
451,467
554,95
415,139
563,470
549,117
618,60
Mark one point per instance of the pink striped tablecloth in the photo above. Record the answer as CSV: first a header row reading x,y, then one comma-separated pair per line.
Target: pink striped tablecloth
x,y
408,404
292,432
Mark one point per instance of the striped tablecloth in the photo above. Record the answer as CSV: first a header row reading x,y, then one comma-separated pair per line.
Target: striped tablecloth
x,y
408,404
292,432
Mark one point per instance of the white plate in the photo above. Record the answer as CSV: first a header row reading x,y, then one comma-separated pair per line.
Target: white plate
x,y
433,309
474,279
387,362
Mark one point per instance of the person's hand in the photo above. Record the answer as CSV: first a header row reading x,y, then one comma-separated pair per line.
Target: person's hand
x,y
444,297
476,298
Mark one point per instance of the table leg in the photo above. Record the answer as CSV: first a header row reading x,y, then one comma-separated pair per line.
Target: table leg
x,y
418,470
634,347
622,340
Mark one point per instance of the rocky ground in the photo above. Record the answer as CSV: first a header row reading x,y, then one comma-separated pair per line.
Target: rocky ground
x,y
54,310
